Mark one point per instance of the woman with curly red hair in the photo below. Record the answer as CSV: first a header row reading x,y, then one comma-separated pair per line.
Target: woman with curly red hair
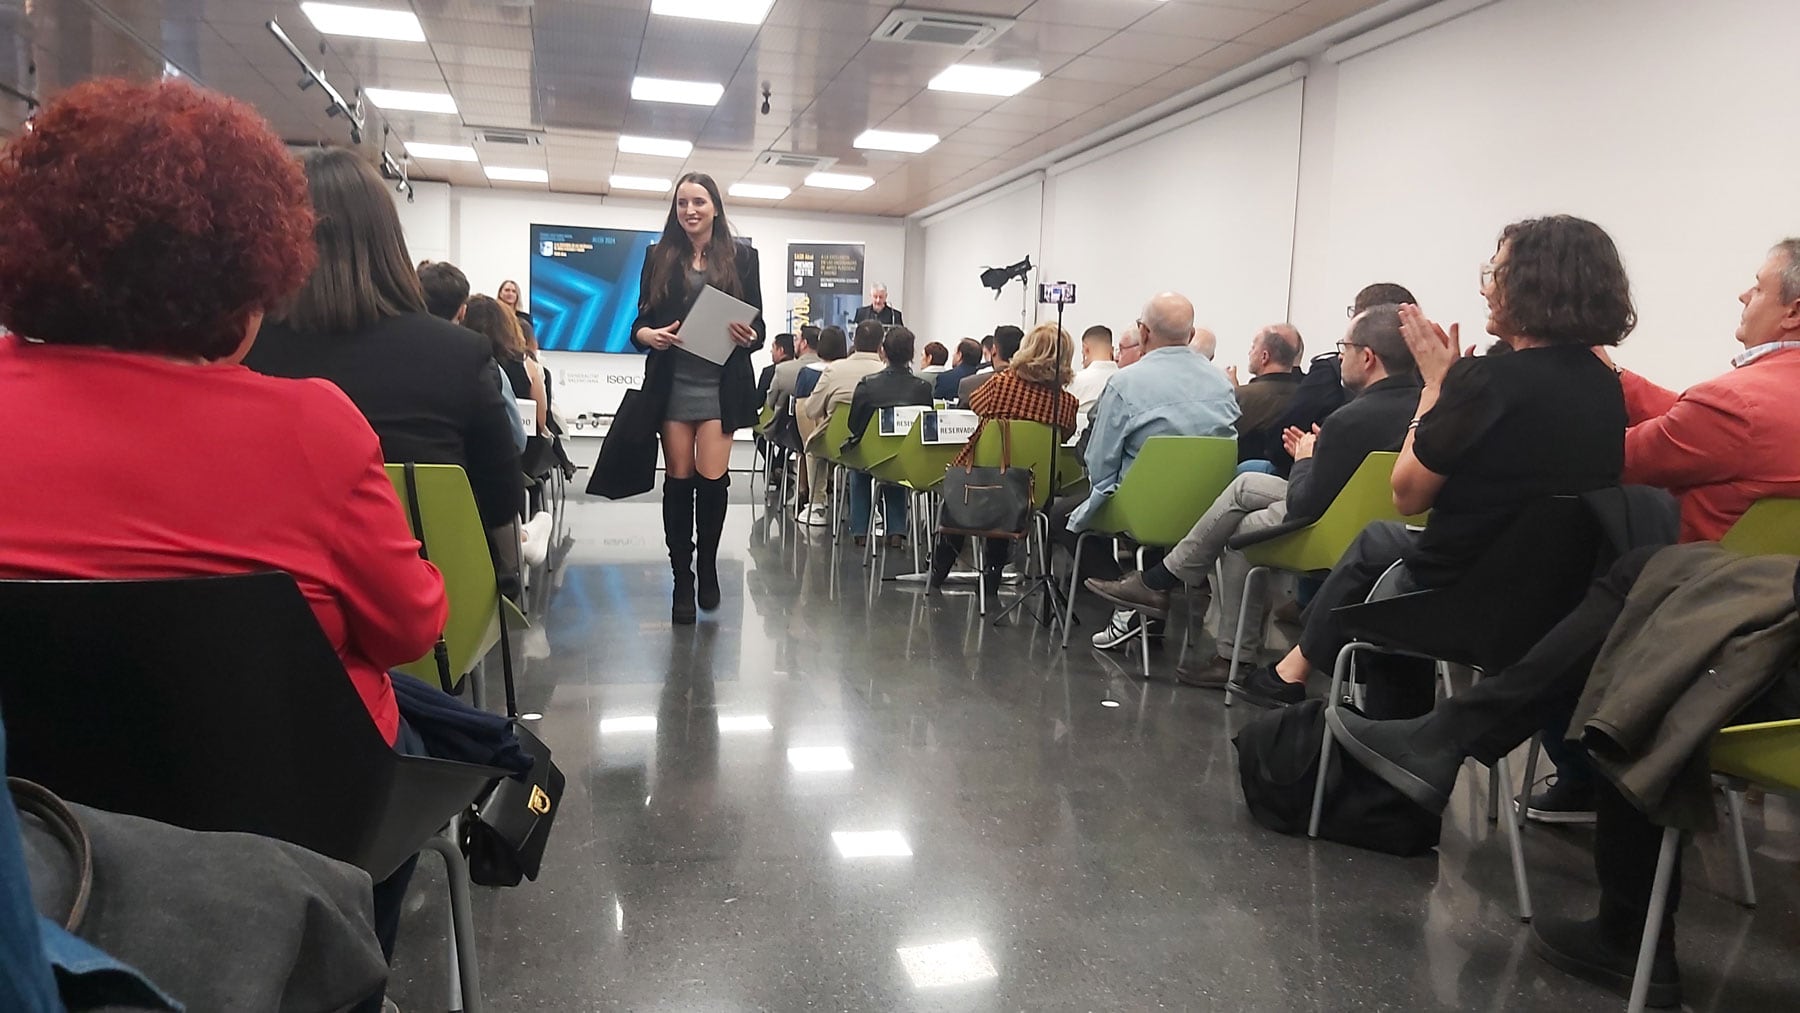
x,y
149,227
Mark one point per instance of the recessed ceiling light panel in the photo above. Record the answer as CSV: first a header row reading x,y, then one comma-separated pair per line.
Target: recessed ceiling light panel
x,y
364,22
977,80
506,175
737,12
760,191
442,152
659,146
649,183
839,181
395,100
895,140
687,93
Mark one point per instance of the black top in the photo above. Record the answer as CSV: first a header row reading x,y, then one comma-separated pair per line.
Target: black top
x,y
764,381
1375,421
1261,404
888,315
738,404
890,388
427,388
1507,430
950,379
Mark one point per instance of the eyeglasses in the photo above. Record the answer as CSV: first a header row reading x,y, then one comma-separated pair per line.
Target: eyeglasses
x,y
1350,311
1342,345
1488,271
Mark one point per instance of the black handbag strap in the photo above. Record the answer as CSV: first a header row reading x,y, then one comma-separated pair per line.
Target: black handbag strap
x,y
39,801
440,651
506,663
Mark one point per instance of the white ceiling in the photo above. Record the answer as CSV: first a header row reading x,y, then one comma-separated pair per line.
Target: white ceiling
x,y
564,68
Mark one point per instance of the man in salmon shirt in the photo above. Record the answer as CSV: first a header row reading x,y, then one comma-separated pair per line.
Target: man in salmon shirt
x,y
1719,447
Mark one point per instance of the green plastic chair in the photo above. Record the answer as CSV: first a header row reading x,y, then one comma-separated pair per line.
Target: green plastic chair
x,y
1316,548
1771,527
918,467
1035,446
865,456
458,547
1173,481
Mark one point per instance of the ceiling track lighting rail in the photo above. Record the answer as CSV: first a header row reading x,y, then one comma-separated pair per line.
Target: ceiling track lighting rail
x,y
312,75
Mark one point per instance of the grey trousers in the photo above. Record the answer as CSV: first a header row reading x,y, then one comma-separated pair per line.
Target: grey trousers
x,y
1252,502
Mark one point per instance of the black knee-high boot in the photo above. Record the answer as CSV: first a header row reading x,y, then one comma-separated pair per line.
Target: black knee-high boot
x,y
678,532
710,499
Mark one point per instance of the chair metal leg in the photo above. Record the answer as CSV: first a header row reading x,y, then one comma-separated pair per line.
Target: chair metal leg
x,y
1531,765
1659,900
478,684
1074,577
1338,672
1242,621
1734,800
978,549
462,925
1502,772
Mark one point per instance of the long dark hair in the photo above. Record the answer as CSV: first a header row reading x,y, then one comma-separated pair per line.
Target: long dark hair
x,y
672,253
364,273
490,317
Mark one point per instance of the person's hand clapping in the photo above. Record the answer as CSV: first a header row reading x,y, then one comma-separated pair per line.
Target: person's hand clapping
x,y
1231,374
1298,442
1433,350
742,334
660,338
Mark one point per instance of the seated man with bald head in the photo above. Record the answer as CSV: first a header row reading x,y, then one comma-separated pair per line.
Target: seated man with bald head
x,y
1169,392
1264,400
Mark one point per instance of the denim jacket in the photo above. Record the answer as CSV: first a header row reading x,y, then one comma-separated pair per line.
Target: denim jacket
x,y
1171,391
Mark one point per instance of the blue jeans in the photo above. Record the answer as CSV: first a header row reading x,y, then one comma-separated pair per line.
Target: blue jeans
x,y
1260,467
893,500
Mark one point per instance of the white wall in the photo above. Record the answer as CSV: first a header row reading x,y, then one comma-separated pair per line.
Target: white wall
x,y
1665,121
992,232
487,234
1205,209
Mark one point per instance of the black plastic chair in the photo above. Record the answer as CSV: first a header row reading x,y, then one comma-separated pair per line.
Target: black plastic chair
x,y
1532,575
216,703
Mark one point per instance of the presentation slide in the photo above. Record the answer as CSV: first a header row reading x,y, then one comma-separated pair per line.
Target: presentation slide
x,y
584,287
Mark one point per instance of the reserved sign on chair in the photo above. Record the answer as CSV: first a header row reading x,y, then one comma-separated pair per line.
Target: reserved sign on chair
x,y
949,426
899,421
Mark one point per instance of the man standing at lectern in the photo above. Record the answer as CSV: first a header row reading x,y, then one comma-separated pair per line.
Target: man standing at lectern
x,y
879,310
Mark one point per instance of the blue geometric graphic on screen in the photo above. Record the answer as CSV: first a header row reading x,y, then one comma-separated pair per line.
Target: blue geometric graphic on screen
x,y
586,302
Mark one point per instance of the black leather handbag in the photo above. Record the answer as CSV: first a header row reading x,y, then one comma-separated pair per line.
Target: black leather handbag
x,y
627,462
505,831
990,502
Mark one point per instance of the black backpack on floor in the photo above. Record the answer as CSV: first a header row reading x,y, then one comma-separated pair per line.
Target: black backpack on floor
x,y
1278,755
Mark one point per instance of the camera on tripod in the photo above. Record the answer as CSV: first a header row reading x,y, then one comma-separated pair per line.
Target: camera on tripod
x,y
1057,293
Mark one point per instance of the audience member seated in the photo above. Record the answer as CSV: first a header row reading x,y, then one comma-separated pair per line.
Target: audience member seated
x,y
425,385
1097,367
1131,347
832,347
1169,392
1695,445
525,378
1263,402
1031,390
1006,345
1204,343
1321,390
209,468
1493,434
787,371
780,351
968,360
934,357
446,291
510,298
891,387
1378,370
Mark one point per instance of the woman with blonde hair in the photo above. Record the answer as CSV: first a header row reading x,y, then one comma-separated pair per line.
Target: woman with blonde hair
x,y
1031,389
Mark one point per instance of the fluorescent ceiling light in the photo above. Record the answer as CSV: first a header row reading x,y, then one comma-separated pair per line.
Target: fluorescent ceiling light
x,y
839,181
895,140
689,93
446,152
737,12
976,80
412,101
635,723
364,22
760,191
655,146
954,963
871,844
812,759
745,723
650,183
506,175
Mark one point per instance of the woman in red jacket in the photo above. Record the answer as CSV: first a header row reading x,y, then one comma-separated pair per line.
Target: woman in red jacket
x,y
139,447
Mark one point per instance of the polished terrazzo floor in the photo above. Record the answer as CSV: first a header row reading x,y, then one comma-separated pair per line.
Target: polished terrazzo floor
x,y
838,794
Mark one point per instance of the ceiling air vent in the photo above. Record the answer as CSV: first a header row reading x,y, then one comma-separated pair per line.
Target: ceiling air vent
x,y
795,160
514,137
935,28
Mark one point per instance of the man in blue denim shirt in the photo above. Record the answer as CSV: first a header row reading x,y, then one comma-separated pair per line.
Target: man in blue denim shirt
x,y
1171,391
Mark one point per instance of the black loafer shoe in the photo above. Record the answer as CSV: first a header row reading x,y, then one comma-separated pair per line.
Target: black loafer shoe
x,y
1582,949
1388,750
1264,688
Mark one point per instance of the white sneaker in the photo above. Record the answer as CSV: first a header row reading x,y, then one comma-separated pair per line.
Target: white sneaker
x,y
1121,628
815,516
535,536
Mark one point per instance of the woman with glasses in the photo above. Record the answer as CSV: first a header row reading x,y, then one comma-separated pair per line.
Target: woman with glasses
x,y
1492,434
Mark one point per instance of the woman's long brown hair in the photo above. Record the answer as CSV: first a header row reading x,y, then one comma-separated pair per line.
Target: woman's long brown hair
x,y
673,252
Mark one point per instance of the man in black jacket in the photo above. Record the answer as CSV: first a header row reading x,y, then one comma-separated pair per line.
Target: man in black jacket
x,y
893,386
1378,370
